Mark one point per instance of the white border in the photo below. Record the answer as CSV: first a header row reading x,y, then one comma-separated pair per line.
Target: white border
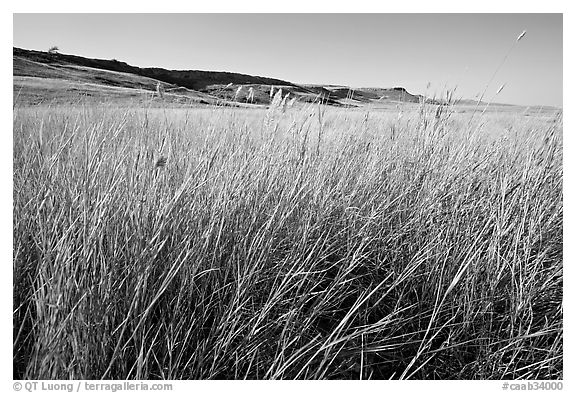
x,y
300,6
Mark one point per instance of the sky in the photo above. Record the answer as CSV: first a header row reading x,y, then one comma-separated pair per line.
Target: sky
x,y
424,53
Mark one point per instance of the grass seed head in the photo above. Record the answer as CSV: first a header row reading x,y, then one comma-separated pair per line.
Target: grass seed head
x,y
161,162
521,35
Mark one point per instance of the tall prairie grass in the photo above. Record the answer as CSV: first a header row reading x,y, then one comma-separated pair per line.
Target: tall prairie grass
x,y
315,243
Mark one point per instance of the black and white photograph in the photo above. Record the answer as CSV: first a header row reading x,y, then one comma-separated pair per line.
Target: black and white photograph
x,y
287,196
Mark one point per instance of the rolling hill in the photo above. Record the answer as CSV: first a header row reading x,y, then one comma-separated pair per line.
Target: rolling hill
x,y
42,76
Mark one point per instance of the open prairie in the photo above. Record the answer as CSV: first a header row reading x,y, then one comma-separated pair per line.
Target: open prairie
x,y
298,196
169,242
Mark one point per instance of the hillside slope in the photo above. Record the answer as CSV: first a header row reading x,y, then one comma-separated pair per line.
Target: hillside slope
x,y
41,76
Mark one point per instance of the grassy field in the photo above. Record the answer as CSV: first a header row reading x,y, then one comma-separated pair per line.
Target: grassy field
x,y
314,243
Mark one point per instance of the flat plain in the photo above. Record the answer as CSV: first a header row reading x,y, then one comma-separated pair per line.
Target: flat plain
x,y
159,240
